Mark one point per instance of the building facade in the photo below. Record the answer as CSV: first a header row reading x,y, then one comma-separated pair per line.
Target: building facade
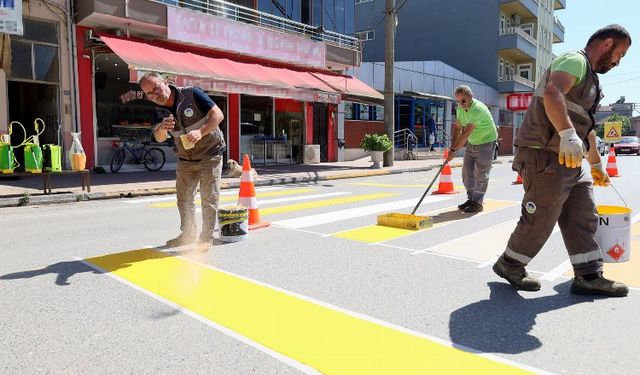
x,y
38,78
273,67
505,45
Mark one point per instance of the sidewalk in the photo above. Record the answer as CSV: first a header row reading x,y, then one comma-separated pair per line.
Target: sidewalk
x,y
66,188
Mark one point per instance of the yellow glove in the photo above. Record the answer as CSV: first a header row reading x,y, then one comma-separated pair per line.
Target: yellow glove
x,y
600,176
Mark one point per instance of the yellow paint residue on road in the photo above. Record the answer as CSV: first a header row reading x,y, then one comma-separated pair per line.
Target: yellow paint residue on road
x,y
442,217
329,340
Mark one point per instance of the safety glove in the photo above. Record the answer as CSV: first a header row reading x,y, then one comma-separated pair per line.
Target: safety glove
x,y
571,149
600,176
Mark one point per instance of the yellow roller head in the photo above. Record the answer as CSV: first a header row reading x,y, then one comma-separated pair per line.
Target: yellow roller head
x,y
405,221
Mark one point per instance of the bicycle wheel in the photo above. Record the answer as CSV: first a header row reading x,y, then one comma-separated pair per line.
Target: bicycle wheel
x,y
117,160
154,159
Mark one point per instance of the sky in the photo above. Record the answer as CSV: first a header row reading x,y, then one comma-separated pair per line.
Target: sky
x,y
582,17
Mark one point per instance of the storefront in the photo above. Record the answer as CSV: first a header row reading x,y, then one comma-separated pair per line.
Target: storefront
x,y
36,80
272,112
413,111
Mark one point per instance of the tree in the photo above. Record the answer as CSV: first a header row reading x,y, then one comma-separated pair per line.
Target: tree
x,y
626,125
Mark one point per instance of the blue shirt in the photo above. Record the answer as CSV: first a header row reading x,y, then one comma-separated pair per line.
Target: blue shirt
x,y
202,100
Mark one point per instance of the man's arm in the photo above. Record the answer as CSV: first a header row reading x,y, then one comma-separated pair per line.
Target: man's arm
x,y
554,102
598,173
570,152
461,140
215,117
593,156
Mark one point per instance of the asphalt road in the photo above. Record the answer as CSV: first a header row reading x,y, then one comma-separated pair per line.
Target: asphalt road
x,y
323,290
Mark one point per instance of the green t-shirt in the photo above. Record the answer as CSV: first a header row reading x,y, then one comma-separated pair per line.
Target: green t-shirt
x,y
480,116
573,63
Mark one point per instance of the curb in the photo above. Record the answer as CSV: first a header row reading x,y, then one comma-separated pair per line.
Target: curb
x,y
77,197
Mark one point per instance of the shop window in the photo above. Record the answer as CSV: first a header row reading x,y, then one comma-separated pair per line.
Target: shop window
x,y
34,55
379,113
46,63
364,112
348,111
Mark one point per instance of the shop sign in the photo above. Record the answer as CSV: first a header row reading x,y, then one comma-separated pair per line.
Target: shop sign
x,y
11,17
188,26
519,102
131,95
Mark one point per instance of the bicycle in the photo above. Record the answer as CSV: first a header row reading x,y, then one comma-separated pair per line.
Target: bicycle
x,y
153,158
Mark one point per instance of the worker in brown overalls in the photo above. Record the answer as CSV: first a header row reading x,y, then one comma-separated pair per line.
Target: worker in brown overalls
x,y
557,128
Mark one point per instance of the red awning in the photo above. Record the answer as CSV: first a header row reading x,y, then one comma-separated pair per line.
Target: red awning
x,y
351,87
223,74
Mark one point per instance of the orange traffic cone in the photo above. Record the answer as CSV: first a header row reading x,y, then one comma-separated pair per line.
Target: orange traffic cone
x,y
518,180
612,166
247,196
445,186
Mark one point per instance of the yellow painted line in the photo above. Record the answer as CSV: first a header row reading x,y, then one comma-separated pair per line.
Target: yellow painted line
x,y
441,217
324,337
324,203
357,174
232,198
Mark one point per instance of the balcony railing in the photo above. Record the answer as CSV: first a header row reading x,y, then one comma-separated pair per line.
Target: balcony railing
x,y
247,15
518,79
519,31
557,21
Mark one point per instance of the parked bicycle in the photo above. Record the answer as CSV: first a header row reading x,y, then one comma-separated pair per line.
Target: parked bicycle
x,y
153,158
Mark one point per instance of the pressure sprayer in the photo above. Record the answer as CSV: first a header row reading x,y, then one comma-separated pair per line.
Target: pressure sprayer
x,y
33,159
8,161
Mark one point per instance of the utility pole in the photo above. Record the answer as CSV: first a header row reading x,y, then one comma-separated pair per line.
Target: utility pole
x,y
389,48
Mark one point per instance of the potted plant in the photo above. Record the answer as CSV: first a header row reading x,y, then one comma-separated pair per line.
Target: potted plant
x,y
377,144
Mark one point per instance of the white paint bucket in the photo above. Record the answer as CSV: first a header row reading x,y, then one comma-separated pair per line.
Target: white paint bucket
x,y
234,223
614,233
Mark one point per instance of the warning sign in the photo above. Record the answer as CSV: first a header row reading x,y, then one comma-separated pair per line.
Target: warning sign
x,y
616,252
612,131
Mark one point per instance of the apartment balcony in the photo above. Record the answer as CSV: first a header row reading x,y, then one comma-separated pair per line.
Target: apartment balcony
x,y
558,31
150,19
525,8
559,4
514,83
515,43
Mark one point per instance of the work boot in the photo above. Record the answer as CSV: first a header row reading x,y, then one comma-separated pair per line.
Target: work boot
x,y
516,276
466,204
600,286
473,207
185,238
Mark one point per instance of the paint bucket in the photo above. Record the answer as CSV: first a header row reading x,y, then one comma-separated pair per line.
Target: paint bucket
x,y
32,158
8,160
234,223
614,233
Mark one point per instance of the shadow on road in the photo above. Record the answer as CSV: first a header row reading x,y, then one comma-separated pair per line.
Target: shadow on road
x,y
64,270
501,324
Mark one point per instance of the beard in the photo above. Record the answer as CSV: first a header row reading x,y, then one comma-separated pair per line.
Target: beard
x,y
605,63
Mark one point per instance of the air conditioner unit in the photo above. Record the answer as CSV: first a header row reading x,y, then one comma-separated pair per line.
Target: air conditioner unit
x,y
311,154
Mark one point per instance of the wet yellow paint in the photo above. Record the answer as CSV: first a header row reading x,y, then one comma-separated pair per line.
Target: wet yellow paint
x,y
322,337
442,217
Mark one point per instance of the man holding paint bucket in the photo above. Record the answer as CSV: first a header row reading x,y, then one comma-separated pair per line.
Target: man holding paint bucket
x,y
557,128
192,119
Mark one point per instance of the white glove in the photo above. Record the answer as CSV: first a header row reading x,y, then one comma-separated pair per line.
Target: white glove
x,y
600,176
571,152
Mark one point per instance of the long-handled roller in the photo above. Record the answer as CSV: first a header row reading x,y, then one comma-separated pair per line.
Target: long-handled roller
x,y
411,221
